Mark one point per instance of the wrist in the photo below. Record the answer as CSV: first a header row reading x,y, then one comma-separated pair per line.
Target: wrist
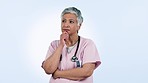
x,y
61,45
56,74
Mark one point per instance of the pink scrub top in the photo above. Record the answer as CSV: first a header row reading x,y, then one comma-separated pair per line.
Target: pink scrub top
x,y
87,53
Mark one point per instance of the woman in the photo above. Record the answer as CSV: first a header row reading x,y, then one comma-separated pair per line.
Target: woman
x,y
72,59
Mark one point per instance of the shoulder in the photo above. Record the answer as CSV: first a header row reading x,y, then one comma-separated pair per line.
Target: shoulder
x,y
54,43
86,41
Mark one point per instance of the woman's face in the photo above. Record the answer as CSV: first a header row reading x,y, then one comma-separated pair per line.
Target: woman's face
x,y
69,24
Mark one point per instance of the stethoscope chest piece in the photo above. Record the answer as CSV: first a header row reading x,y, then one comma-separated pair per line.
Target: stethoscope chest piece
x,y
74,59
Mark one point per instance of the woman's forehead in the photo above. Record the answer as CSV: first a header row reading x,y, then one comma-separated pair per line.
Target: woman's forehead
x,y
69,16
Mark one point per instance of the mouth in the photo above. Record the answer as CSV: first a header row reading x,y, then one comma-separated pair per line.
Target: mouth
x,y
65,30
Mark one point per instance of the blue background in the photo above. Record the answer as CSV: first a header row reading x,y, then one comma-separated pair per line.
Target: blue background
x,y
119,29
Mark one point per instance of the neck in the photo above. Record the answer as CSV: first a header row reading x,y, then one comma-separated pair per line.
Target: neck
x,y
72,40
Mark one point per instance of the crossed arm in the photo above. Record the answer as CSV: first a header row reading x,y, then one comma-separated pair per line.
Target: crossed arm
x,y
73,74
76,73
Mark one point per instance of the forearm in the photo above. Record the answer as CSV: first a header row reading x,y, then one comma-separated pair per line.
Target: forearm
x,y
73,74
76,73
52,62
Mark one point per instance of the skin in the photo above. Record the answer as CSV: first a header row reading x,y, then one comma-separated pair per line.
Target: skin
x,y
69,36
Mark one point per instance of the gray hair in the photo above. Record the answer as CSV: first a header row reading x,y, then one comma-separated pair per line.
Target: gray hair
x,y
74,11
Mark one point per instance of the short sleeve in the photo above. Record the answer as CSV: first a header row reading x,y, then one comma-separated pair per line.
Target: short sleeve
x,y
51,49
91,54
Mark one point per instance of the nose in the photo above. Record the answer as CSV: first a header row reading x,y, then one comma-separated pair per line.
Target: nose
x,y
66,24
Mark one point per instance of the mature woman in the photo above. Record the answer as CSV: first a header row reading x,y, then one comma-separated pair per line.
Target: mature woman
x,y
72,58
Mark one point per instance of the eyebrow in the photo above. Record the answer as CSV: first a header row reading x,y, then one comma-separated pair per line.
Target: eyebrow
x,y
68,19
72,19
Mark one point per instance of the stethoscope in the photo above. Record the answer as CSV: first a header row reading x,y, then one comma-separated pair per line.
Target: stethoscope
x,y
74,58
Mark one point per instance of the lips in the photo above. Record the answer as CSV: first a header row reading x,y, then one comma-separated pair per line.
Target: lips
x,y
66,30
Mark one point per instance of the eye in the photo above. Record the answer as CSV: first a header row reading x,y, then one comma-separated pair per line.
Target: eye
x,y
63,21
71,22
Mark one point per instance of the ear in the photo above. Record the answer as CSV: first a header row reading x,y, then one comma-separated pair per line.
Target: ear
x,y
79,27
